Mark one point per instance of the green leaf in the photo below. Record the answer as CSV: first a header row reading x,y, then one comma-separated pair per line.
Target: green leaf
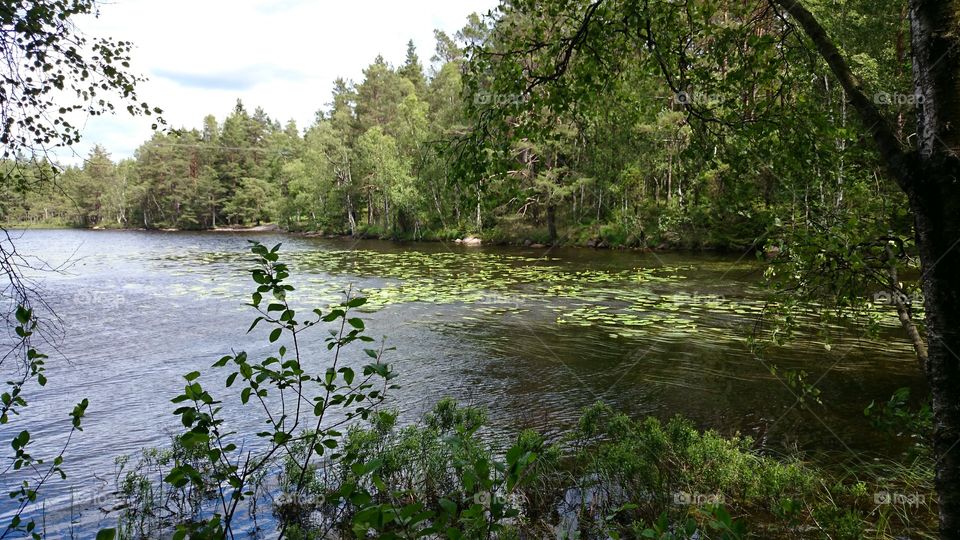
x,y
176,477
23,314
355,302
448,506
223,361
193,438
275,334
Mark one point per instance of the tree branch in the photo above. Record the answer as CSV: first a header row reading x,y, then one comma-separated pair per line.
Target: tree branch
x,y
892,152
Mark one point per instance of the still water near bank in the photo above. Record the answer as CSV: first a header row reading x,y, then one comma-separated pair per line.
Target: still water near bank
x,y
532,335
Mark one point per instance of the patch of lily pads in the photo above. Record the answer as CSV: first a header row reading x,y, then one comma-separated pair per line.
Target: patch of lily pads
x,y
626,302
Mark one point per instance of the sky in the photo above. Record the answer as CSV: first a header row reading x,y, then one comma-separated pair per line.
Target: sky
x,y
200,56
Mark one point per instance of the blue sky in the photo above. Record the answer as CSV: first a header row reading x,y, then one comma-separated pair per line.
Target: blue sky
x,y
283,55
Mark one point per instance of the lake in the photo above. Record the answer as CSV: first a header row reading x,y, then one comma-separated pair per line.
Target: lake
x,y
532,335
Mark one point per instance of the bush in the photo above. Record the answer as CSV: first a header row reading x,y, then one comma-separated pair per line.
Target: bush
x,y
671,469
438,475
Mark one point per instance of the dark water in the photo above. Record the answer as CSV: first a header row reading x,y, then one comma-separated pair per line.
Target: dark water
x,y
532,335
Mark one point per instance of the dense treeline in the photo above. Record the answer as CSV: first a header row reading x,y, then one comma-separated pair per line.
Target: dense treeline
x,y
628,165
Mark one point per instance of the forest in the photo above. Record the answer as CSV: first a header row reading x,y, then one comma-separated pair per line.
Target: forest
x,y
632,164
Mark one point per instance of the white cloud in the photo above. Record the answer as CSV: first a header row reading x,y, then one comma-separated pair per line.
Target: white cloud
x,y
283,55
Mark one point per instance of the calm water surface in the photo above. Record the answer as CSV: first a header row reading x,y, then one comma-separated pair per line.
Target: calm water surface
x,y
532,335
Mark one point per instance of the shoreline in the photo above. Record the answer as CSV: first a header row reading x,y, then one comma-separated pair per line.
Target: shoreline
x,y
596,244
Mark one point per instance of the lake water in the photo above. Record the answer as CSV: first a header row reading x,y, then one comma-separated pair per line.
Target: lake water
x,y
532,335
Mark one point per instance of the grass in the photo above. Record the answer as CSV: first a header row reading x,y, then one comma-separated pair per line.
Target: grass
x,y
618,477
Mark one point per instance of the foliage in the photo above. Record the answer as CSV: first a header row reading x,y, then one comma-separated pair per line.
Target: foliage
x,y
150,508
209,473
900,418
28,473
612,477
52,72
435,478
634,146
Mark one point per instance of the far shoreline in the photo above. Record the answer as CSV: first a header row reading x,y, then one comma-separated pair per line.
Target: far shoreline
x,y
510,242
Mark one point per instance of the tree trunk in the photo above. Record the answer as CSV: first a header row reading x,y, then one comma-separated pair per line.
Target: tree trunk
x,y
479,200
935,197
552,223
386,214
351,218
930,176
937,210
904,309
669,177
